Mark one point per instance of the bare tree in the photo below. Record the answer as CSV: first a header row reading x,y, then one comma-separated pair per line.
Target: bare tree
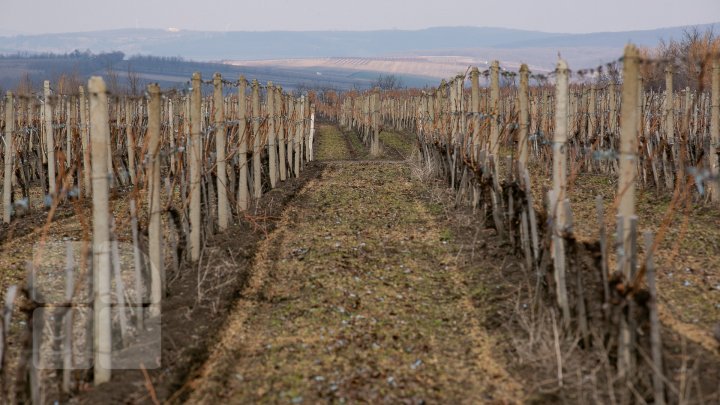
x,y
113,85
25,85
388,82
133,79
689,57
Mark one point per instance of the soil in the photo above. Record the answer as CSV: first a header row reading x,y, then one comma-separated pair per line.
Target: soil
x,y
192,315
356,297
361,281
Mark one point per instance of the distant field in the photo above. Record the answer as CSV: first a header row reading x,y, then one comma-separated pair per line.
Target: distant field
x,y
430,66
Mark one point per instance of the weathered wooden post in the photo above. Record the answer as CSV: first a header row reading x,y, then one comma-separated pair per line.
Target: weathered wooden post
x,y
523,145
715,130
220,158
154,208
243,198
272,147
559,192
9,155
195,164
49,139
100,136
257,147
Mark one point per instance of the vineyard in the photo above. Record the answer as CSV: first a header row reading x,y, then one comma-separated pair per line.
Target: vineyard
x,y
543,238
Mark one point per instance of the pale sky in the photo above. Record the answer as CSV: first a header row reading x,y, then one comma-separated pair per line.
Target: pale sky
x,y
572,16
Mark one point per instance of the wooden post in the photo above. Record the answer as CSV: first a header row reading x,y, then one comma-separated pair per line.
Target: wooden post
x,y
715,130
243,198
100,133
257,148
154,208
49,139
9,155
559,193
628,146
523,145
272,147
220,138
195,157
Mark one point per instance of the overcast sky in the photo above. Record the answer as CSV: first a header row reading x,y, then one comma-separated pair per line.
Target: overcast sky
x,y
42,16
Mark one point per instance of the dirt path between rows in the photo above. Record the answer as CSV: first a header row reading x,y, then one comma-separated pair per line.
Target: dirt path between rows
x,y
356,296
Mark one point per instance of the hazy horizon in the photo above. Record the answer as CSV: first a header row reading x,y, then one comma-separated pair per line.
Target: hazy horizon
x,y
180,29
552,16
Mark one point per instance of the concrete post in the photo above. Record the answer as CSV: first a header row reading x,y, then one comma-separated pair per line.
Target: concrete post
x,y
669,127
243,197
220,157
591,111
628,146
154,208
281,132
306,128
523,146
298,137
291,134
195,157
311,137
475,110
272,146
375,112
494,145
49,140
171,134
9,156
559,193
715,129
100,133
257,147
